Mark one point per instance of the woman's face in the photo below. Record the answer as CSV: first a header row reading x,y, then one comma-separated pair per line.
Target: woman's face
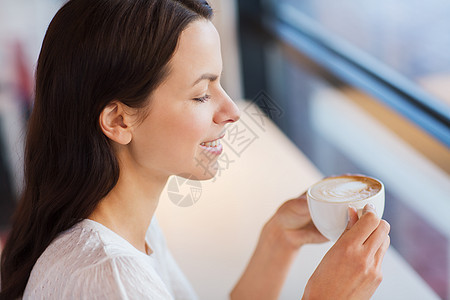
x,y
187,111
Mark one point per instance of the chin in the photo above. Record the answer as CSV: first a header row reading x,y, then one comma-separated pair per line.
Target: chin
x,y
201,172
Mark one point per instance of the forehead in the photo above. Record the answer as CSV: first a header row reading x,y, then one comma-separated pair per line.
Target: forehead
x,y
198,52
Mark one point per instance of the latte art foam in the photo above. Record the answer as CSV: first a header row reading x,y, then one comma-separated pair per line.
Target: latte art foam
x,y
345,189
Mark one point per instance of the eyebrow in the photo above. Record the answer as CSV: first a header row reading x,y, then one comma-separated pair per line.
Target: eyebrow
x,y
206,76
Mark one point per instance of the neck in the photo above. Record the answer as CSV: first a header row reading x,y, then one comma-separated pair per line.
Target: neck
x,y
129,207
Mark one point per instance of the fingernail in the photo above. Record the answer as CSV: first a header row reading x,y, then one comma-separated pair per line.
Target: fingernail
x,y
352,207
369,207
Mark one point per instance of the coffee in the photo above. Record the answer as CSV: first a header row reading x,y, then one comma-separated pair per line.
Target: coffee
x,y
329,199
345,189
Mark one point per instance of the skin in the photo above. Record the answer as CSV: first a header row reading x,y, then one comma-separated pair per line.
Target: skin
x,y
355,259
167,142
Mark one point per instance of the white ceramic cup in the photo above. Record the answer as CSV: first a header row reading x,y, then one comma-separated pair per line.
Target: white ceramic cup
x,y
329,199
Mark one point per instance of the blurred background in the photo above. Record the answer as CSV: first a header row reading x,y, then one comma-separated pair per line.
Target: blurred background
x,y
365,87
358,86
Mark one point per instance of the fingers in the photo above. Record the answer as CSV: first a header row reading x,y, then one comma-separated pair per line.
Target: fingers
x,y
372,232
379,255
352,217
368,208
303,195
298,205
378,237
310,234
367,224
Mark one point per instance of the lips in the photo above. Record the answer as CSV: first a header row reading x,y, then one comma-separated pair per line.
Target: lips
x,y
214,147
213,143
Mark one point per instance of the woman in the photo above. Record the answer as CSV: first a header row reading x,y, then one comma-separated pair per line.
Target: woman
x,y
127,94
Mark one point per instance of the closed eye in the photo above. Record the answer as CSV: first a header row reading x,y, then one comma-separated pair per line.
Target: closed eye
x,y
202,99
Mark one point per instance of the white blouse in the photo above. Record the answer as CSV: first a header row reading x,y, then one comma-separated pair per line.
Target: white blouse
x,y
90,261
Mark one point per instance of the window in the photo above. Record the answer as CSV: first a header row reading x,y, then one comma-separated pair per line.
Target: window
x,y
400,45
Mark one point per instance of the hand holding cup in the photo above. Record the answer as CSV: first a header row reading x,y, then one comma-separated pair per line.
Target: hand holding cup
x,y
329,200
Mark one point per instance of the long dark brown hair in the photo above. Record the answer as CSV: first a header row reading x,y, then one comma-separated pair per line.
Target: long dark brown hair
x,y
94,52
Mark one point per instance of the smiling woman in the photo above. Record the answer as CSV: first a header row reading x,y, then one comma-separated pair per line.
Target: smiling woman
x,y
127,94
99,130
157,143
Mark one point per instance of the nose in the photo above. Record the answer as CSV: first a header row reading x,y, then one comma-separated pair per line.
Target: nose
x,y
227,111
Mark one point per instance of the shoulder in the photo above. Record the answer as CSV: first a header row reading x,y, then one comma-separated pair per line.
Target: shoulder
x,y
90,261
121,277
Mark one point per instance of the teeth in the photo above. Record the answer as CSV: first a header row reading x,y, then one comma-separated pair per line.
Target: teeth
x,y
211,144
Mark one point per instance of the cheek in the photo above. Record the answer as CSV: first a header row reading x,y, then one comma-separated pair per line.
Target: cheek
x,y
191,129
174,137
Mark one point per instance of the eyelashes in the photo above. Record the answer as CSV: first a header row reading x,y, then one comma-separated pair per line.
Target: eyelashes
x,y
202,99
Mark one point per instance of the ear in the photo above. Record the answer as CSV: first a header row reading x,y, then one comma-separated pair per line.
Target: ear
x,y
115,123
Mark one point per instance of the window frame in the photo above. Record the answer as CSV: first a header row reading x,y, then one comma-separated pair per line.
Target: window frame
x,y
355,67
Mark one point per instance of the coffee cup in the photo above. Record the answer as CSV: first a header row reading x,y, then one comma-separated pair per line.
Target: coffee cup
x,y
329,199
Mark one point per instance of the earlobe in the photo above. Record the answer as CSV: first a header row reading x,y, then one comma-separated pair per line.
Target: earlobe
x,y
113,122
